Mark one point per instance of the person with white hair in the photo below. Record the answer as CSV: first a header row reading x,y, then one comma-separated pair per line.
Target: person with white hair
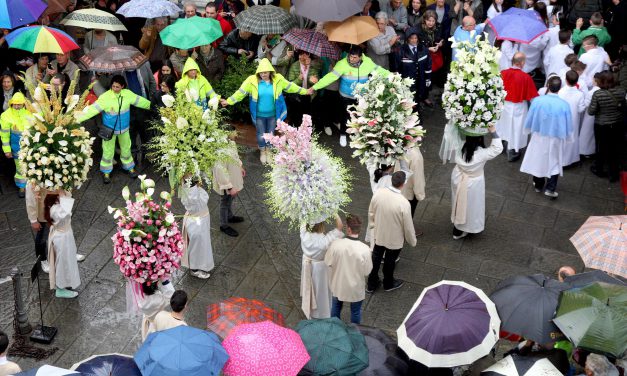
x,y
598,365
379,47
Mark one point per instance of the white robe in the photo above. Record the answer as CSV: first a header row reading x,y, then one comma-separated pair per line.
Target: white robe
x,y
475,209
596,61
510,125
544,156
198,253
575,99
533,52
314,277
64,271
587,144
554,59
150,306
508,49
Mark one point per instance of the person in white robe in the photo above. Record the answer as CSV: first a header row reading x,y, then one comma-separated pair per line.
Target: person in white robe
x,y
580,68
198,254
314,278
595,58
155,299
554,57
587,142
550,126
576,101
533,51
64,273
508,49
468,184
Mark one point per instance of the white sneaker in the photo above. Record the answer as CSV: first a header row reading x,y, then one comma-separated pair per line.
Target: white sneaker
x,y
45,266
80,257
551,194
328,131
262,156
463,235
201,274
343,140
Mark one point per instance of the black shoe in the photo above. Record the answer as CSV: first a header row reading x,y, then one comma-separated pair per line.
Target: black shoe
x,y
21,193
132,173
370,289
230,231
599,173
106,178
236,219
397,284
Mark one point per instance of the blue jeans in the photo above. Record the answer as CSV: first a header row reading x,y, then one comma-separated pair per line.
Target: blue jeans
x,y
264,125
336,309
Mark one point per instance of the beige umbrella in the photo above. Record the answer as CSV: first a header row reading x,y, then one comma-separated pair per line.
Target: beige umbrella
x,y
113,59
353,30
93,19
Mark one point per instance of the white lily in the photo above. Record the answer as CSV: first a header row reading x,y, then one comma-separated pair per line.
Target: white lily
x,y
181,123
168,100
71,102
126,193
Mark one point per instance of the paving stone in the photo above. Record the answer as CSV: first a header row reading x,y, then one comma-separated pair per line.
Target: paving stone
x,y
567,201
559,241
453,260
528,213
549,260
421,274
501,270
569,222
256,284
486,284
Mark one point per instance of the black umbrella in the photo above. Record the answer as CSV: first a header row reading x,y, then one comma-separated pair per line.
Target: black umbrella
x,y
584,279
527,304
382,353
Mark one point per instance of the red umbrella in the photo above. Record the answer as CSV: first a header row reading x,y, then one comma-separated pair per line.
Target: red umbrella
x,y
224,316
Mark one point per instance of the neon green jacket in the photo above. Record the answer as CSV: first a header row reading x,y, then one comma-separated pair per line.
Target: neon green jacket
x,y
13,121
350,76
116,109
200,83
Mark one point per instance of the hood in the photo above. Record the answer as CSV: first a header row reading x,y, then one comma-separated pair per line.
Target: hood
x,y
17,98
265,66
189,65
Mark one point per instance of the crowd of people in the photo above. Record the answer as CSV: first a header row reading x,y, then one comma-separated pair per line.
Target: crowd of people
x,y
567,88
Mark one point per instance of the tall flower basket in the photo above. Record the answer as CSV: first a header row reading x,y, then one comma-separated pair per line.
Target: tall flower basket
x,y
383,124
307,184
56,151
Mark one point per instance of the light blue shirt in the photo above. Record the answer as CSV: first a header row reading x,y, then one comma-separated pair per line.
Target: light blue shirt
x,y
461,35
265,99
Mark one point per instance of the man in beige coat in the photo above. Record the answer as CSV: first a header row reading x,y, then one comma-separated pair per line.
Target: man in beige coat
x,y
349,262
167,320
6,367
228,181
391,224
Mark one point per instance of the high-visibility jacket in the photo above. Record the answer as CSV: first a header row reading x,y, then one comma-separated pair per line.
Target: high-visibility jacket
x,y
250,86
116,109
14,122
200,83
350,76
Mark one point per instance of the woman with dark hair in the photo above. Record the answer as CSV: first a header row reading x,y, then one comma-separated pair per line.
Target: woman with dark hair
x,y
608,107
468,184
415,10
542,11
155,299
166,69
430,34
167,86
305,72
9,87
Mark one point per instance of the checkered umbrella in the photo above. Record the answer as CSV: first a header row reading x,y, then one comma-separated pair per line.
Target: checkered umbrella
x,y
602,244
265,19
224,316
313,42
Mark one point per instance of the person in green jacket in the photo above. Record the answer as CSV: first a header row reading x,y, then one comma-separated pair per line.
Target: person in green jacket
x,y
196,84
352,70
267,103
303,72
596,28
115,105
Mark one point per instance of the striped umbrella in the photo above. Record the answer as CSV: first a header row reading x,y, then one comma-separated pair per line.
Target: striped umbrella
x,y
265,19
313,42
41,39
113,59
148,9
602,243
14,13
224,316
93,19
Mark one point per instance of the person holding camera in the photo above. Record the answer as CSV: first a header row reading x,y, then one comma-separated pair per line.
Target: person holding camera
x,y
36,72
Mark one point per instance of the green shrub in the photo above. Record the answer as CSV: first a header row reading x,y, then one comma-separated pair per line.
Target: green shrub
x,y
237,71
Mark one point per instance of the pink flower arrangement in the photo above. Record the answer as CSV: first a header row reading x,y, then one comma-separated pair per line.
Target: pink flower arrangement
x,y
293,145
148,244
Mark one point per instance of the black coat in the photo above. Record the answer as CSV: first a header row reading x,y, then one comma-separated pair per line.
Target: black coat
x,y
416,66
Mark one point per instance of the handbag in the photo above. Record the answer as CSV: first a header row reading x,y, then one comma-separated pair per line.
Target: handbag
x,y
437,60
107,133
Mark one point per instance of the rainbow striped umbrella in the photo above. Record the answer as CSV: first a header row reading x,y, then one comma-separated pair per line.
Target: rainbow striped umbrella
x,y
41,39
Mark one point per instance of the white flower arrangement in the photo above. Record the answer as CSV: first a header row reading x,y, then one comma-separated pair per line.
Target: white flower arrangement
x,y
473,94
383,124
55,150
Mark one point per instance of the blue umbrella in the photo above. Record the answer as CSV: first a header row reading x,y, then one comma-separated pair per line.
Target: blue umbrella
x,y
14,13
47,370
518,25
108,365
181,351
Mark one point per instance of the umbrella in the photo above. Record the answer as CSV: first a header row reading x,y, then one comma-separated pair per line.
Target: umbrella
x,y
451,324
182,350
149,9
14,13
595,317
602,243
112,59
353,30
93,19
328,10
264,349
56,6
41,39
47,370
382,353
265,19
224,316
192,32
526,305
623,185
584,279
516,365
107,365
518,25
313,42
335,348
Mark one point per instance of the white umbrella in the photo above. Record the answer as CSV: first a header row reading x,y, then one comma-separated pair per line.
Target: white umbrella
x,y
93,19
149,9
47,370
522,366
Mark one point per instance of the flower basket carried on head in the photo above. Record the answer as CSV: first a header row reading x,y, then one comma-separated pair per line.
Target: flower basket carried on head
x,y
56,151
148,245
306,185
383,124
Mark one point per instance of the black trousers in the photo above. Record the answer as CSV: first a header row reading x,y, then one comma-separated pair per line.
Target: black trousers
x,y
549,184
41,241
413,203
609,143
389,257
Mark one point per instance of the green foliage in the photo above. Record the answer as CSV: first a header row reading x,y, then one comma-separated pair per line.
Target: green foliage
x,y
238,70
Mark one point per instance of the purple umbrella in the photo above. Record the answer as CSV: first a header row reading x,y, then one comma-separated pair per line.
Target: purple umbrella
x,y
451,324
14,13
518,25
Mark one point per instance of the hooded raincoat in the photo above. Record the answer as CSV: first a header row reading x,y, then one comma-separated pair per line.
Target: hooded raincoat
x,y
12,124
198,85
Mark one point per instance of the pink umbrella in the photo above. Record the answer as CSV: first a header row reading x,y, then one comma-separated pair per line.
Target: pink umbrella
x,y
264,349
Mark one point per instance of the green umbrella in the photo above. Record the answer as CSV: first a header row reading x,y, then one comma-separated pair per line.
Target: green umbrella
x,y
594,317
191,32
335,348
